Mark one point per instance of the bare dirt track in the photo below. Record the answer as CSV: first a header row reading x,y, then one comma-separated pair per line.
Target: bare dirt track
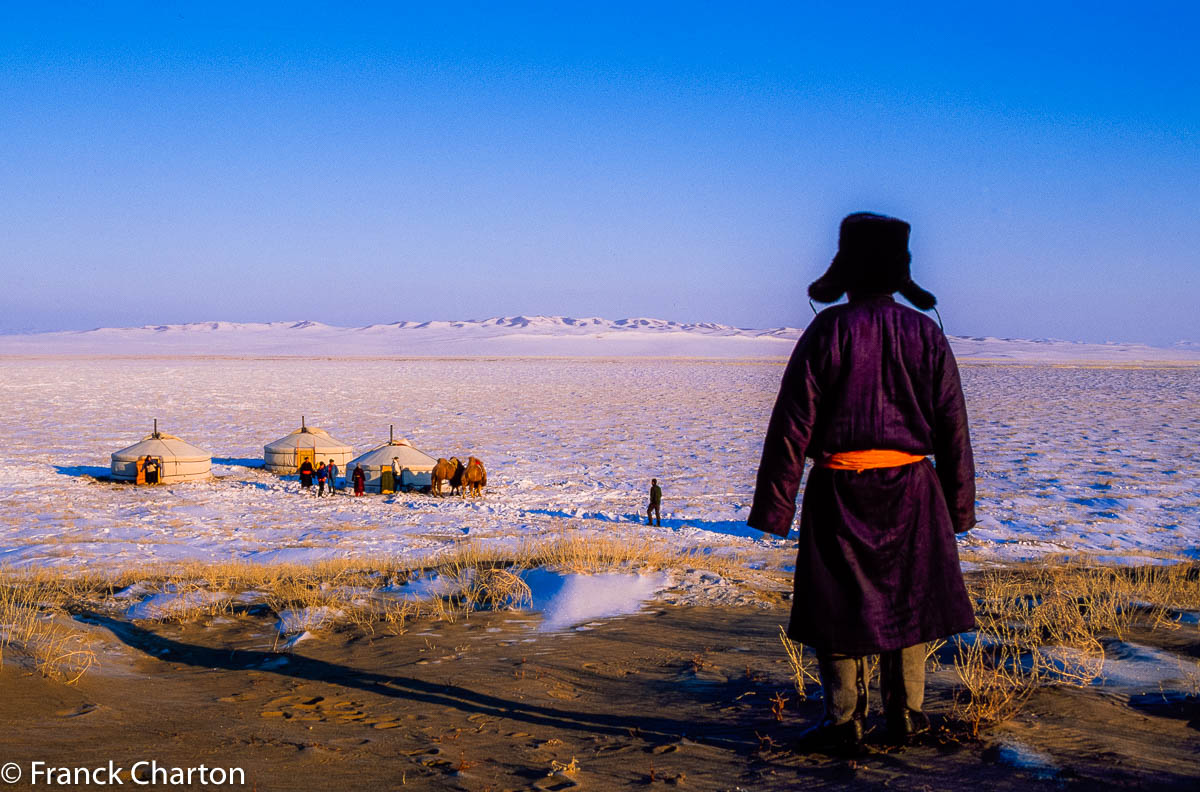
x,y
672,697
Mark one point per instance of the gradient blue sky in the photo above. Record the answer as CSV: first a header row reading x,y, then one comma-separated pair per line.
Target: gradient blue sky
x,y
170,163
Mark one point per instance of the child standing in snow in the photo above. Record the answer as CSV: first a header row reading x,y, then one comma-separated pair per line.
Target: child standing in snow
x,y
322,473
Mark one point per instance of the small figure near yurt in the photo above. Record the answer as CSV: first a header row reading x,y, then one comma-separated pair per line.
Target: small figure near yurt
x,y
306,474
360,480
308,444
380,464
322,474
150,470
161,458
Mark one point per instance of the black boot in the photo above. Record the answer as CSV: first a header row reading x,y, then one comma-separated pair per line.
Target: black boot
x,y
835,739
904,725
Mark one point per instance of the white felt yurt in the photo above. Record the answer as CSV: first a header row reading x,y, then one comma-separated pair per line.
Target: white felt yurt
x,y
177,460
285,455
416,467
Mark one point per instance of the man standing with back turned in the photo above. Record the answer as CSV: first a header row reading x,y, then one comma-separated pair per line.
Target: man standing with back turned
x,y
871,389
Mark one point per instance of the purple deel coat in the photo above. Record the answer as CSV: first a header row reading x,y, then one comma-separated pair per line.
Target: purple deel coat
x,y
878,566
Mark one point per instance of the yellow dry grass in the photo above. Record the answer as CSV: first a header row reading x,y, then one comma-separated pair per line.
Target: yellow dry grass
x,y
802,667
35,604
31,628
1039,625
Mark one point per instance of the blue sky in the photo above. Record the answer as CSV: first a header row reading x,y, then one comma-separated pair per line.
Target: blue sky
x,y
166,163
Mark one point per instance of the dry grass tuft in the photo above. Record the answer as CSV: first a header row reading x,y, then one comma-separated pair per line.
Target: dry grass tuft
x,y
801,666
34,627
1040,625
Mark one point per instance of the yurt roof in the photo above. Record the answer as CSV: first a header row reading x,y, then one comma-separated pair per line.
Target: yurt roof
x,y
407,456
308,437
162,445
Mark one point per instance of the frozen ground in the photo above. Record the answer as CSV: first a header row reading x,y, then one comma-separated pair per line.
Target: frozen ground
x,y
1103,460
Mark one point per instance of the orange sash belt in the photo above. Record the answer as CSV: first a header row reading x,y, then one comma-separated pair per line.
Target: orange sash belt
x,y
858,461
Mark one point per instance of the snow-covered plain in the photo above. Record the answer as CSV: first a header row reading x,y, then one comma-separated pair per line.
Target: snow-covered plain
x,y
1097,459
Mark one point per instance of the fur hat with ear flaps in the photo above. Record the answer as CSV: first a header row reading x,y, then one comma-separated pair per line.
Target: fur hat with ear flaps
x,y
872,258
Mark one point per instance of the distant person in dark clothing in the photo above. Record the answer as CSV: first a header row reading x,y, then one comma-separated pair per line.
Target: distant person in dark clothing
x,y
333,471
150,470
871,390
306,474
322,474
655,503
360,480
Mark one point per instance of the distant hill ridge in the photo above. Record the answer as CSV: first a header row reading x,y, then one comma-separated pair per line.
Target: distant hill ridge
x,y
590,324
529,336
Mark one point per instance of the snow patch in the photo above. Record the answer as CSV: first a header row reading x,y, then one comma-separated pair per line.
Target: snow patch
x,y
1132,665
1024,757
313,617
165,604
566,600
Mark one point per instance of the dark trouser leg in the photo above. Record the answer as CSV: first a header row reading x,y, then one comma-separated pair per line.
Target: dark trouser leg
x,y
902,683
844,687
902,679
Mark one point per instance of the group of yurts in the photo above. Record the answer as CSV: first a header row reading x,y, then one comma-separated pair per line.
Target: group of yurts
x,y
395,466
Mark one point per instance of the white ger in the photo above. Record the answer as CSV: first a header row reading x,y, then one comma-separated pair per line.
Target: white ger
x,y
175,460
416,467
308,443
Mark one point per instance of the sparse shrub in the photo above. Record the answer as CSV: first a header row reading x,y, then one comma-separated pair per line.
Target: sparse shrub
x,y
32,626
801,666
1039,626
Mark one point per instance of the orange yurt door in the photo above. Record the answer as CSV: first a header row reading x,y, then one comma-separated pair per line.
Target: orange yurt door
x,y
150,470
305,455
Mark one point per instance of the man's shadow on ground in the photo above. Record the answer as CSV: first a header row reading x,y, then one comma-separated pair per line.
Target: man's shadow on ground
x,y
652,728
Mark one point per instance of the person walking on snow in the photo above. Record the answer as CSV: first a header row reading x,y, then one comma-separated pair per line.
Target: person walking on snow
x,y
396,470
360,480
872,389
322,472
655,503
